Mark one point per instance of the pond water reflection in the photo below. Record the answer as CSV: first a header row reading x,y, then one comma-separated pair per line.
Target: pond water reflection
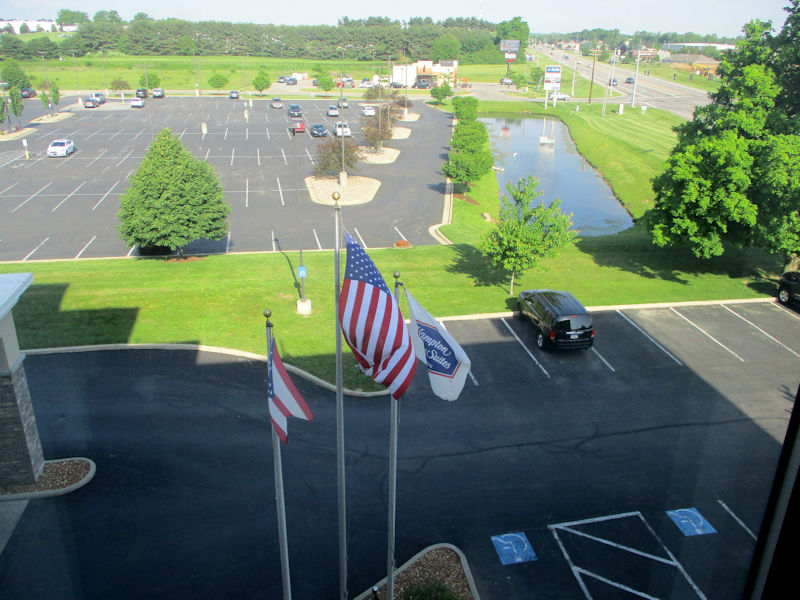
x,y
562,172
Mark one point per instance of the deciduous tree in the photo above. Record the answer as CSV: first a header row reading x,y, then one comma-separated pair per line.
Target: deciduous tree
x,y
329,156
261,82
152,80
733,178
527,233
218,81
174,198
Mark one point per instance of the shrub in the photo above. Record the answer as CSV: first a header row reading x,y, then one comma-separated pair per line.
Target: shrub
x,y
428,591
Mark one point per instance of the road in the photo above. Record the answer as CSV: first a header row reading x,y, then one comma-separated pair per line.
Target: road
x,y
653,92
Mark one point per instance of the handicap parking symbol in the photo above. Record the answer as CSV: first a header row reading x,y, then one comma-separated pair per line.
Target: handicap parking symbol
x,y
690,521
513,548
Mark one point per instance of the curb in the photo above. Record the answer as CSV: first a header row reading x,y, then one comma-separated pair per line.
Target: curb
x,y
56,492
366,595
201,348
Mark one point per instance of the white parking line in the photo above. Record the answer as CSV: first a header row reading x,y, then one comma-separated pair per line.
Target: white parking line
x,y
258,156
123,159
8,188
106,194
30,164
268,133
519,341
400,234
645,334
246,193
42,243
708,335
94,133
138,134
226,134
284,157
180,137
785,310
363,244
272,237
116,134
98,157
781,344
280,191
78,255
233,152
309,156
316,237
206,156
737,519
600,356
246,133
31,197
471,376
579,572
68,197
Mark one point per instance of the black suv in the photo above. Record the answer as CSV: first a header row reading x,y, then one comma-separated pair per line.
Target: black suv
x,y
789,287
562,321
295,110
141,93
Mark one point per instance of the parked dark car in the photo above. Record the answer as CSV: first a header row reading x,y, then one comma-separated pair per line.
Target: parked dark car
x,y
612,81
561,320
422,85
319,131
295,110
158,93
141,93
395,85
98,98
629,80
789,287
28,92
291,81
234,94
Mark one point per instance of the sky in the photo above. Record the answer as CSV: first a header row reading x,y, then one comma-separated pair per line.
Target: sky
x,y
723,17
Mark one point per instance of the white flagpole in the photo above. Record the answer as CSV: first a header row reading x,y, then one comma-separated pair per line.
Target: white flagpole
x,y
340,466
278,468
393,402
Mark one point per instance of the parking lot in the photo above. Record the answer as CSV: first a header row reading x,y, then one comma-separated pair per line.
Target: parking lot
x,y
638,468
66,207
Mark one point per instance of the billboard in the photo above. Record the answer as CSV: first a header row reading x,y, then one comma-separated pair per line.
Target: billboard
x,y
509,45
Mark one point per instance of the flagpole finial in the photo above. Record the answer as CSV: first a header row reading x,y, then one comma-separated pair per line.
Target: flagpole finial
x,y
396,276
336,196
267,315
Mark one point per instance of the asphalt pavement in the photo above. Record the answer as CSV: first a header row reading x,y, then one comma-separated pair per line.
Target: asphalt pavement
x,y
584,455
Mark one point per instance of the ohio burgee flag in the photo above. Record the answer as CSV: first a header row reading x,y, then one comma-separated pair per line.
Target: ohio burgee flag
x,y
284,399
447,362
373,325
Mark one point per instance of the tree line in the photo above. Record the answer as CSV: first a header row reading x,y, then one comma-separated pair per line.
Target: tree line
x,y
376,38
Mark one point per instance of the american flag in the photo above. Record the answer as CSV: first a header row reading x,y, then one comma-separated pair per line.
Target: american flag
x,y
284,399
373,325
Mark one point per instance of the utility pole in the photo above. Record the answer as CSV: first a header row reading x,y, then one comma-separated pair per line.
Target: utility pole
x,y
594,53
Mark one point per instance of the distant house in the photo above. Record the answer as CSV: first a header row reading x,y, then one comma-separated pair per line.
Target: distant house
x,y
681,46
426,71
33,24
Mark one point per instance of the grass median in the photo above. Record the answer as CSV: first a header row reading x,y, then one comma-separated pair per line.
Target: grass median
x,y
218,300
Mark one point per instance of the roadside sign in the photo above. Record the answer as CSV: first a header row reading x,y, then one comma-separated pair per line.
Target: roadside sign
x,y
510,56
301,272
509,45
552,77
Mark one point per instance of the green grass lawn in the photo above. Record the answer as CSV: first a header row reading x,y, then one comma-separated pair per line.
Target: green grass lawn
x,y
219,300
94,71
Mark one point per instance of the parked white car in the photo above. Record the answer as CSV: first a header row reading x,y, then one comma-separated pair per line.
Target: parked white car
x,y
333,111
341,129
137,102
61,147
367,111
559,96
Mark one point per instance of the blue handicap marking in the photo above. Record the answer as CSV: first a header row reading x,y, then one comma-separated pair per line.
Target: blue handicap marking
x,y
513,548
690,521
